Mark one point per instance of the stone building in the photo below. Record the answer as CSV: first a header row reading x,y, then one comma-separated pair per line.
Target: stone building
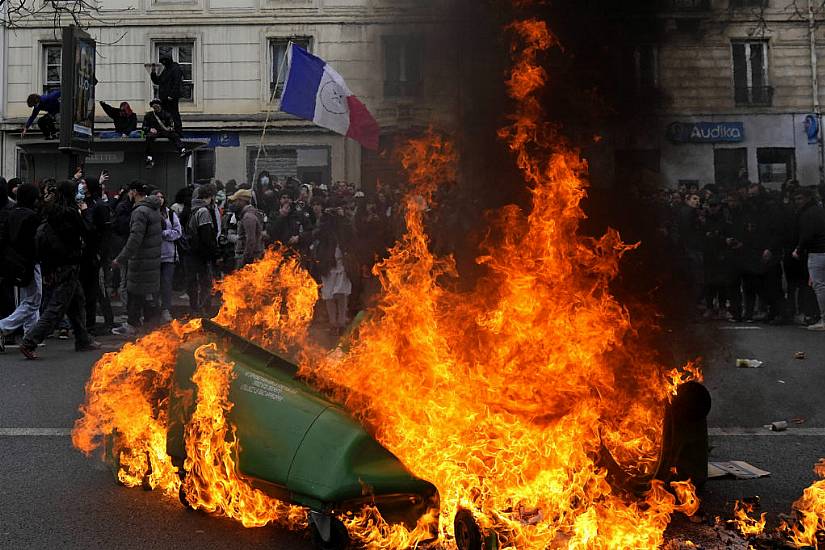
x,y
232,54
719,91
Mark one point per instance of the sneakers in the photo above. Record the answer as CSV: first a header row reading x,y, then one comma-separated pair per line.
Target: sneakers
x,y
124,330
91,346
63,334
818,326
28,352
183,152
165,316
150,162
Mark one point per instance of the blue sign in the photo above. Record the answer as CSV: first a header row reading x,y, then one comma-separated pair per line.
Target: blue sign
x,y
215,139
812,129
706,132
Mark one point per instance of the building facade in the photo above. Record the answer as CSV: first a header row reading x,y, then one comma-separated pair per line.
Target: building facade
x,y
722,91
232,55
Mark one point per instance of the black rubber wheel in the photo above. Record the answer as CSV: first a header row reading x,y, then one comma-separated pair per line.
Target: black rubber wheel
x,y
338,536
467,533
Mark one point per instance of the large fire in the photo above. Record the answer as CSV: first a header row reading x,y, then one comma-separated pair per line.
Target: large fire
x,y
502,396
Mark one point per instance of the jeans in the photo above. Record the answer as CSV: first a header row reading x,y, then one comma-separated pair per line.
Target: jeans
x,y
47,125
167,274
28,310
816,268
66,299
113,134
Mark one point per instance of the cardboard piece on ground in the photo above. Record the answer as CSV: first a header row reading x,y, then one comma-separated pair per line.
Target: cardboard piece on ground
x,y
736,469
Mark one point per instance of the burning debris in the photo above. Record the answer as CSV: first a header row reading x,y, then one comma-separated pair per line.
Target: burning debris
x,y
504,397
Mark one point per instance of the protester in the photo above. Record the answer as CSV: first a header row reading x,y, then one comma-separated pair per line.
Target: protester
x,y
249,244
50,103
811,227
202,236
170,89
332,250
158,123
142,254
170,233
59,242
98,217
124,118
17,249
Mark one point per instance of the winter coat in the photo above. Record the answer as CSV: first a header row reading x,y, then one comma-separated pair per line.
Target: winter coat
x,y
162,122
171,233
169,82
249,245
143,247
123,124
811,224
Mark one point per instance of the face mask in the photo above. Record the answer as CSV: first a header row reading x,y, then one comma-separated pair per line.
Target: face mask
x,y
81,194
265,180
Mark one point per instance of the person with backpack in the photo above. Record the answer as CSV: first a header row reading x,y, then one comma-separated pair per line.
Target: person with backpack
x,y
142,253
59,241
18,262
202,236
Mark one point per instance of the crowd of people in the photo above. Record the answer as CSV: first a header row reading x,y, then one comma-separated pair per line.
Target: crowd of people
x,y
71,249
748,254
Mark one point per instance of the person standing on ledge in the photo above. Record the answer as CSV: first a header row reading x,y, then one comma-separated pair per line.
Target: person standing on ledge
x,y
50,103
170,89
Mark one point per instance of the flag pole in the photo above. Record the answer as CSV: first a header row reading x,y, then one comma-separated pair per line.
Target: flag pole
x,y
287,60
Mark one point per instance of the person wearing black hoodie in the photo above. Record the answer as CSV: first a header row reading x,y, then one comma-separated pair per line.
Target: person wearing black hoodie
x,y
97,253
170,89
18,235
811,226
59,242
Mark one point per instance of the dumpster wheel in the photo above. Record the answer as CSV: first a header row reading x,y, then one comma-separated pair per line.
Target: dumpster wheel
x,y
328,532
467,532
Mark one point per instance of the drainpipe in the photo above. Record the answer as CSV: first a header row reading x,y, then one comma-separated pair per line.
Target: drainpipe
x,y
815,88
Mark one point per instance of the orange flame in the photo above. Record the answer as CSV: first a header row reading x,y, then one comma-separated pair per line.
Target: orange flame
x,y
810,512
502,396
125,409
212,482
745,523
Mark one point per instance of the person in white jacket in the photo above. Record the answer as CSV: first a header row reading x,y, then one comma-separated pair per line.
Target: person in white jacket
x,y
170,233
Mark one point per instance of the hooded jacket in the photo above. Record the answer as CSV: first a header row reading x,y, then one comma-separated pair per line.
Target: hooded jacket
x,y
170,234
169,82
249,245
124,123
143,247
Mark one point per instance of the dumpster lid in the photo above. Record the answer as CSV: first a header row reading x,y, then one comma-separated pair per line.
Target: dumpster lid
x,y
245,346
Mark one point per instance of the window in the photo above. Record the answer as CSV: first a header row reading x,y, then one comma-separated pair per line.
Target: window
x,y
184,54
303,163
750,73
204,164
776,164
402,66
646,66
730,165
277,58
52,66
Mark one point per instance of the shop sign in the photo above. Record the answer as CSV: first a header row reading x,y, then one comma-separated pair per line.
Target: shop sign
x,y
706,132
215,139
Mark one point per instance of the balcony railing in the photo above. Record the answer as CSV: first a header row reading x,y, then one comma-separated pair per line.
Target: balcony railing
x,y
755,96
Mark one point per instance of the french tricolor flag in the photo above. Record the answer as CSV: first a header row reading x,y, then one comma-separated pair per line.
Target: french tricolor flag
x,y
315,91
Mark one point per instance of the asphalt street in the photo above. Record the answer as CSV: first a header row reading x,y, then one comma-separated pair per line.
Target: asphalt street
x,y
51,496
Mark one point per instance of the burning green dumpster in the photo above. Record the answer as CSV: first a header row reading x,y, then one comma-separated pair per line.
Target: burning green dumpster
x,y
294,444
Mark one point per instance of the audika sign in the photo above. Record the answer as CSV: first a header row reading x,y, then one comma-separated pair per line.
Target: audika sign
x,y
706,132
